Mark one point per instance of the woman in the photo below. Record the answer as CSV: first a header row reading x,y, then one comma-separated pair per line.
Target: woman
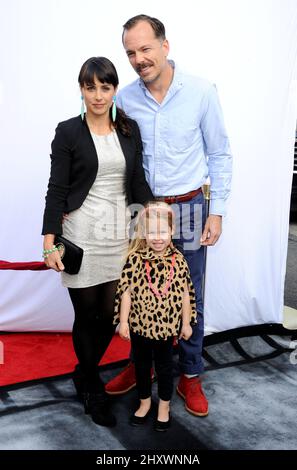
x,y
96,172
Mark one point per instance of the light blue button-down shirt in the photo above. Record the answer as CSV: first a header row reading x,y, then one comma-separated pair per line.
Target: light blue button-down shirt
x,y
184,137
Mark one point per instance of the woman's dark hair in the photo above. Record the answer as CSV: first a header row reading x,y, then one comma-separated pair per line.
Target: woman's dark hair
x,y
157,25
104,70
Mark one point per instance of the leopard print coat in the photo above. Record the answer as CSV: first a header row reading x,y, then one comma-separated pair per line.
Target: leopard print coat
x,y
152,316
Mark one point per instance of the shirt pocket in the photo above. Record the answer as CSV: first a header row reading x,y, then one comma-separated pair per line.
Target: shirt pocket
x,y
181,133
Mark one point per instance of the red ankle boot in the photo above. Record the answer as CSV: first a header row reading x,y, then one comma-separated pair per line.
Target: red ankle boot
x,y
124,381
191,391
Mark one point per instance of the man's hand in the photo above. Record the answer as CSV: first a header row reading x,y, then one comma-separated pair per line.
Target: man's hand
x,y
65,216
212,230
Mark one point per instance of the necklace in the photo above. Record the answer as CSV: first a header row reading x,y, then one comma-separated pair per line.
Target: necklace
x,y
168,281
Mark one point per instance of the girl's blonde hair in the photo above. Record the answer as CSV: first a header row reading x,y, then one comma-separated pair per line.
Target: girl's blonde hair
x,y
157,208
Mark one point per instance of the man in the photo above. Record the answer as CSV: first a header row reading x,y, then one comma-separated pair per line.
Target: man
x,y
184,142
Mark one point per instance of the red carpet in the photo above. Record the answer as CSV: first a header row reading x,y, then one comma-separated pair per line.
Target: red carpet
x,y
29,356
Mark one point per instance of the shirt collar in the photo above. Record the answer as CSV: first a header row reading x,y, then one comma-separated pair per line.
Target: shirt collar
x,y
177,81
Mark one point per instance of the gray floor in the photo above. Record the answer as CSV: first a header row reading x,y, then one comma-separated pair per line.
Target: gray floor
x,y
252,406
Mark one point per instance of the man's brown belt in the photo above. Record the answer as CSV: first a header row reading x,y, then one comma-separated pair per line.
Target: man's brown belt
x,y
180,198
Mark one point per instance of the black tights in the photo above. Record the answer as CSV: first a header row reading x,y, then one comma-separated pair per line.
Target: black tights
x,y
92,329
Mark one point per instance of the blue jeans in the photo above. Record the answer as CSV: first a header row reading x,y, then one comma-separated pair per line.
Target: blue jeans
x,y
190,220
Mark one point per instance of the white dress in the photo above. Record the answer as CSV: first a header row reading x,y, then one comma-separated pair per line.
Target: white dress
x,y
101,225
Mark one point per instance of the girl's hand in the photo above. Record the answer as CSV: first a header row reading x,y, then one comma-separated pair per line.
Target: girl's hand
x,y
53,261
124,331
186,331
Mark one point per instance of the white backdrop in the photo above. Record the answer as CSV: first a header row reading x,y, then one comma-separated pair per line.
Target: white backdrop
x,y
247,47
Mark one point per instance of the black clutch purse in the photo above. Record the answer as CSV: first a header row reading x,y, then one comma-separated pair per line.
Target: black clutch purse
x,y
71,254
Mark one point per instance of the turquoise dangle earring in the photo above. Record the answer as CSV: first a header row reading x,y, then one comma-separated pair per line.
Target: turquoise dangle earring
x,y
82,109
114,108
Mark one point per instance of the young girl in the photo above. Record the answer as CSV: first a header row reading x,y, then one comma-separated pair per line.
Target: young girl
x,y
155,301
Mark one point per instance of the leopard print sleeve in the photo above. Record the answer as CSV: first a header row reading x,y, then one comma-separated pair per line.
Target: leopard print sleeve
x,y
123,285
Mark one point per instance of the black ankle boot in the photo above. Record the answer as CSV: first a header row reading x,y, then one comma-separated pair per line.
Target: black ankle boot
x,y
80,382
98,406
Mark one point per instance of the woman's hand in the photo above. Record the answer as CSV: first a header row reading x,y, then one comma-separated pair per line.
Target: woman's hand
x,y
186,331
53,260
124,331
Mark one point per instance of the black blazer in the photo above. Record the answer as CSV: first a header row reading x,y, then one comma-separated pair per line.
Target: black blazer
x,y
74,166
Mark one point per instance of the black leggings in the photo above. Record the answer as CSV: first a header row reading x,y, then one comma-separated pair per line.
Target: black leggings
x,y
143,351
92,329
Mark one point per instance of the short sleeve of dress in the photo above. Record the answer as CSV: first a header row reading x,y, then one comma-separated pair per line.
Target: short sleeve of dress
x,y
123,285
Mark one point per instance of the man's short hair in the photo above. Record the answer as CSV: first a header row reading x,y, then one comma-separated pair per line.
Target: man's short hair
x,y
157,25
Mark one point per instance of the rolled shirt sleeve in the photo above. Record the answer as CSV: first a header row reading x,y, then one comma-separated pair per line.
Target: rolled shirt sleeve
x,y
217,150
